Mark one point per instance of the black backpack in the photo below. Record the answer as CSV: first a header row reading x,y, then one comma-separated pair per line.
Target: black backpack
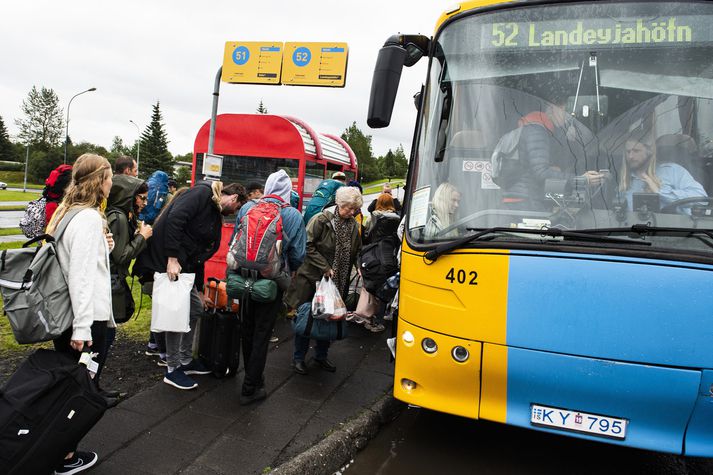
x,y
377,262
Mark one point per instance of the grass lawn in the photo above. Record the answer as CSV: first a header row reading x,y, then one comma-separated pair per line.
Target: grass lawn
x,y
375,186
6,195
30,186
12,207
10,231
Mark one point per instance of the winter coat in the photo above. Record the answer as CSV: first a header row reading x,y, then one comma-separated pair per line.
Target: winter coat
x,y
321,246
127,244
380,225
189,230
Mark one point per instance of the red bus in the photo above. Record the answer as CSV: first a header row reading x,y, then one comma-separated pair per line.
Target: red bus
x,y
255,145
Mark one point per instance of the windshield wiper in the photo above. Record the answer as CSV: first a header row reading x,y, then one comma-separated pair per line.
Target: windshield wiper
x,y
441,249
644,229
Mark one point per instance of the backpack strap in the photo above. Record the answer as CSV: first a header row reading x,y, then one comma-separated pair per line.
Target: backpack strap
x,y
283,203
65,222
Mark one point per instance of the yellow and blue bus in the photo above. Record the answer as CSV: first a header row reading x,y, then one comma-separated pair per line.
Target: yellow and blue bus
x,y
557,260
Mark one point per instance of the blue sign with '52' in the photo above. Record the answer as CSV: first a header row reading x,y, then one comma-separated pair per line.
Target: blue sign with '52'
x,y
301,56
241,55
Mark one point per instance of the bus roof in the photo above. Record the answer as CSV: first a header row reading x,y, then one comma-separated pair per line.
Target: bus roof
x,y
468,5
273,136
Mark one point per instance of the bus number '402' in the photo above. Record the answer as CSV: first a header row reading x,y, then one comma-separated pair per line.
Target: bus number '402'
x,y
462,276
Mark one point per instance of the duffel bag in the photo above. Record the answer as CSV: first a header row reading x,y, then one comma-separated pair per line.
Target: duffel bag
x,y
305,325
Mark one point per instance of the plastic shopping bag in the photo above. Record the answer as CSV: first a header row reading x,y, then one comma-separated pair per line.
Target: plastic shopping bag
x,y
327,303
171,303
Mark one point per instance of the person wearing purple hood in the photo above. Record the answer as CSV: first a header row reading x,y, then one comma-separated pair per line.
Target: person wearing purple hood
x,y
259,318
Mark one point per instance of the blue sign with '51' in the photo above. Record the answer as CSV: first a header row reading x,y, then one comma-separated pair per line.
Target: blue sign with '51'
x,y
241,55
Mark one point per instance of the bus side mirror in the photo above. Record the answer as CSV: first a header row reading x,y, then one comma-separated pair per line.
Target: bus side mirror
x,y
397,52
385,85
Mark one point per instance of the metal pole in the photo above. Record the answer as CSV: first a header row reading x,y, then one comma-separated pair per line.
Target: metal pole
x,y
66,130
27,158
138,145
214,112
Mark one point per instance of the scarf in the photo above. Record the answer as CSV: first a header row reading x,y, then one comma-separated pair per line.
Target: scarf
x,y
342,265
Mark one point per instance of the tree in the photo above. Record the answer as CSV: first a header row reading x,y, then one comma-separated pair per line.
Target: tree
x,y
400,162
183,176
388,165
42,162
186,157
361,145
118,148
154,147
7,149
261,109
43,121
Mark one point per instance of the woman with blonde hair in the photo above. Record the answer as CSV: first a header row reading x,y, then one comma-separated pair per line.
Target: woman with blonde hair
x,y
333,244
83,253
444,205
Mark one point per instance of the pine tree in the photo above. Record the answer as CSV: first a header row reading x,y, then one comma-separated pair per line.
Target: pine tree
x,y
261,109
44,122
7,149
154,147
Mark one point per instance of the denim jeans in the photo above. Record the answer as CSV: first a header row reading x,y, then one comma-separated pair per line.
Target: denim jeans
x,y
321,348
179,346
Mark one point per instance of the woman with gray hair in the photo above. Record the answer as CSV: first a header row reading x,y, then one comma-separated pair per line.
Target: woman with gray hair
x,y
333,244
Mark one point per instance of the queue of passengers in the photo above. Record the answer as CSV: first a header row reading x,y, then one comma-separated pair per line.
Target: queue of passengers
x,y
105,235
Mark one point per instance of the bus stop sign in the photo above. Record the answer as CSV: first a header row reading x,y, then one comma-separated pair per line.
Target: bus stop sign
x,y
251,62
315,64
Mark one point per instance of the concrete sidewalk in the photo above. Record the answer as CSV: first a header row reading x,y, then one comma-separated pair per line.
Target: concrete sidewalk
x,y
164,430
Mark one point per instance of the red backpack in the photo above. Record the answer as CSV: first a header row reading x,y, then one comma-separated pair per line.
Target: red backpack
x,y
258,242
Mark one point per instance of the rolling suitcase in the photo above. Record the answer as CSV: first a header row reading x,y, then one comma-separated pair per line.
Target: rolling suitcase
x,y
46,407
219,339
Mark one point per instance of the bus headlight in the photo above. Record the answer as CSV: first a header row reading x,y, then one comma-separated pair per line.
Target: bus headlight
x,y
460,354
407,337
429,345
408,384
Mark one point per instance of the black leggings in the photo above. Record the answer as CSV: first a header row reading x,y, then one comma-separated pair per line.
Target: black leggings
x,y
99,332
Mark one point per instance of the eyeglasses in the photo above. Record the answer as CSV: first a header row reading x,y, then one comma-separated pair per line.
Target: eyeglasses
x,y
143,197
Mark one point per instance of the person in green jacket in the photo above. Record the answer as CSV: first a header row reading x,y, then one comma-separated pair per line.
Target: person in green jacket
x,y
333,244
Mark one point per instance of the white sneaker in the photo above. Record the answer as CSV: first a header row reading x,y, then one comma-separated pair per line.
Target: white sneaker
x,y
374,327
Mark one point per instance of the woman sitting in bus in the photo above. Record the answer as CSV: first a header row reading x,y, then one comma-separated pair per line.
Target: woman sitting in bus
x,y
444,205
641,174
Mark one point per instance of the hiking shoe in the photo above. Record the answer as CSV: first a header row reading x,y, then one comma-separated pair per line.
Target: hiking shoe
x,y
299,367
152,352
178,379
194,367
257,395
274,339
162,361
374,327
80,461
326,365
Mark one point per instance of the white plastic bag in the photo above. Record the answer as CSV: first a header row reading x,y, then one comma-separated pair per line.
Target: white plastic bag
x,y
171,303
327,303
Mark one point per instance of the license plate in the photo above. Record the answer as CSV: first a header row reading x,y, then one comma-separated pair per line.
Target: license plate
x,y
577,421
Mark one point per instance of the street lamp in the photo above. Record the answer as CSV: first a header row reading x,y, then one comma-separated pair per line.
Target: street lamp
x,y
138,145
66,130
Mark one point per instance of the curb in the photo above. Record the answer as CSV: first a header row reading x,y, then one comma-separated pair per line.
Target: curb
x,y
334,451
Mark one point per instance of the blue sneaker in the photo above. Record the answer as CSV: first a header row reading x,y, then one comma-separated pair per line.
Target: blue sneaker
x,y
194,367
178,379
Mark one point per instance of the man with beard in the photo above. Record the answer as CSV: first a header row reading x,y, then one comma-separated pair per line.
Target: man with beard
x,y
185,235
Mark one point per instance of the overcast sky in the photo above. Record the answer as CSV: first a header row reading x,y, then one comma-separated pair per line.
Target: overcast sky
x,y
138,52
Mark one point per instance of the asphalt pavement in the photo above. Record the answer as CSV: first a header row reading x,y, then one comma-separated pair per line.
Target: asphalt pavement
x,y
206,431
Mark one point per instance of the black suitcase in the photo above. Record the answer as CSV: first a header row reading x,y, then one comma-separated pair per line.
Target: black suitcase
x,y
46,407
226,344
219,341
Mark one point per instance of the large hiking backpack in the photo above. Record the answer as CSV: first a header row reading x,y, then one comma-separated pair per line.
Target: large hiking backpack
x,y
158,190
34,290
258,242
322,198
377,262
33,222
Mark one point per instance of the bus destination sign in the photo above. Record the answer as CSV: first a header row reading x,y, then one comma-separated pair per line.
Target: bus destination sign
x,y
315,64
252,62
605,32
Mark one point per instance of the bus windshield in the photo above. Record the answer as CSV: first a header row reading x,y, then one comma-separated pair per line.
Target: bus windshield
x,y
592,117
